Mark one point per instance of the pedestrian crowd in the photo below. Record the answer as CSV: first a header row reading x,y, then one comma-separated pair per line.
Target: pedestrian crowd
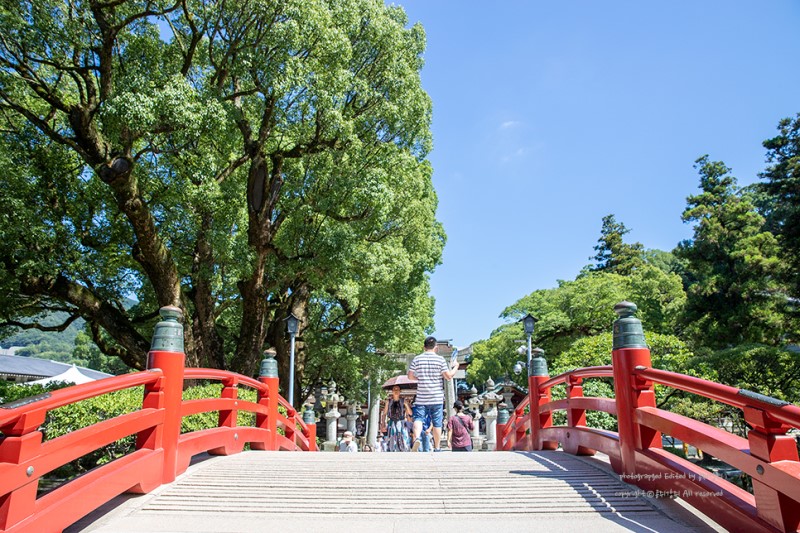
x,y
417,426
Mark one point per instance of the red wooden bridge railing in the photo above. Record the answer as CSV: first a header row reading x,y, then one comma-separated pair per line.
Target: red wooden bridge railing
x,y
768,454
161,451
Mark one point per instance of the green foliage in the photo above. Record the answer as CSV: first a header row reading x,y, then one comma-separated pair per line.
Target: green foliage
x,y
732,267
668,352
86,354
576,310
240,179
769,370
666,261
781,187
614,255
10,392
210,419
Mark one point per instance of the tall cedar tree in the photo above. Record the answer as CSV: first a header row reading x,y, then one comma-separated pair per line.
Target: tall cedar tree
x,y
782,187
732,275
613,254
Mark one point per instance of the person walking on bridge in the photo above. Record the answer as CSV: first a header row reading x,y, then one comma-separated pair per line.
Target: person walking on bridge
x,y
393,417
429,370
458,428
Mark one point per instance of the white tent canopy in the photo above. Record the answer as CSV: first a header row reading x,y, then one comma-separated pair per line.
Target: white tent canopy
x,y
71,375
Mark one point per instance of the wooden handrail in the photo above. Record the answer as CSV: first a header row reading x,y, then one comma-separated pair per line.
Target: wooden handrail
x,y
161,453
768,455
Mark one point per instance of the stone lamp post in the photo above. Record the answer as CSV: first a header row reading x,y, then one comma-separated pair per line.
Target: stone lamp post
x,y
352,414
332,399
474,405
490,401
508,393
309,416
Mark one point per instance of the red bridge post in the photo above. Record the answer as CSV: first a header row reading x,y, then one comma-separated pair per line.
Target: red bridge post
x,y
503,416
166,353
310,420
630,351
268,376
21,442
769,442
538,374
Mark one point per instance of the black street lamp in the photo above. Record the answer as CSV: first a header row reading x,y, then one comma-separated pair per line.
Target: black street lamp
x,y
292,325
528,321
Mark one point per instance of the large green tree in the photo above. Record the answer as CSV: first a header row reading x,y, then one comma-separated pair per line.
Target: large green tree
x,y
613,253
734,293
240,160
577,309
782,187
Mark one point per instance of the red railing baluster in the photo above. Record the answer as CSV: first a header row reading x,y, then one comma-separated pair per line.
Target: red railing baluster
x,y
230,390
576,417
769,442
521,439
310,428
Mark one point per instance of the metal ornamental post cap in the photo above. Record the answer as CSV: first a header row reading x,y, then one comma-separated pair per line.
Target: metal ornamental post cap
x,y
628,332
308,415
168,334
538,363
269,366
503,415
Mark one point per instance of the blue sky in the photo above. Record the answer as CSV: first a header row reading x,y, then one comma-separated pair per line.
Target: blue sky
x,y
550,115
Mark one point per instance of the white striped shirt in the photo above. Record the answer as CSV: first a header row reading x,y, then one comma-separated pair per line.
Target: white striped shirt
x,y
428,368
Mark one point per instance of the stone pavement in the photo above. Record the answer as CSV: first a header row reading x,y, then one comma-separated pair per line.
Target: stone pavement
x,y
355,492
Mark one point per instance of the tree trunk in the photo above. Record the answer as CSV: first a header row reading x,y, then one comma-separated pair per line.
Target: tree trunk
x,y
208,349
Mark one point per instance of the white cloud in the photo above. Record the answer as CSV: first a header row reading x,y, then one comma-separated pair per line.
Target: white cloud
x,y
509,124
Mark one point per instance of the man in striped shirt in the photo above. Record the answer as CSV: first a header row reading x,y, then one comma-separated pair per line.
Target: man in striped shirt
x,y
429,370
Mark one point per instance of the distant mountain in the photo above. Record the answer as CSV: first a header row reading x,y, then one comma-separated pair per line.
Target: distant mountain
x,y
54,345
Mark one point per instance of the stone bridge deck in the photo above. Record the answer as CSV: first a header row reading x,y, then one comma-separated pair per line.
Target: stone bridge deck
x,y
331,492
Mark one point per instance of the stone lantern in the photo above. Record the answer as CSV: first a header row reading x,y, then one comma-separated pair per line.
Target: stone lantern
x,y
353,407
309,416
332,399
474,405
508,393
490,401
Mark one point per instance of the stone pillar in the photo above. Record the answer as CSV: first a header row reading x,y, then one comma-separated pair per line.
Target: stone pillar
x,y
449,399
332,417
474,406
374,419
490,400
352,415
507,395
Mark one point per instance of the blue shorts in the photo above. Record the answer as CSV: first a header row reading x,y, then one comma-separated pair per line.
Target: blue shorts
x,y
421,412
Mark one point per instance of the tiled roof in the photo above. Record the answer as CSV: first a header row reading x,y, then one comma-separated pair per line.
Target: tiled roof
x,y
16,365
